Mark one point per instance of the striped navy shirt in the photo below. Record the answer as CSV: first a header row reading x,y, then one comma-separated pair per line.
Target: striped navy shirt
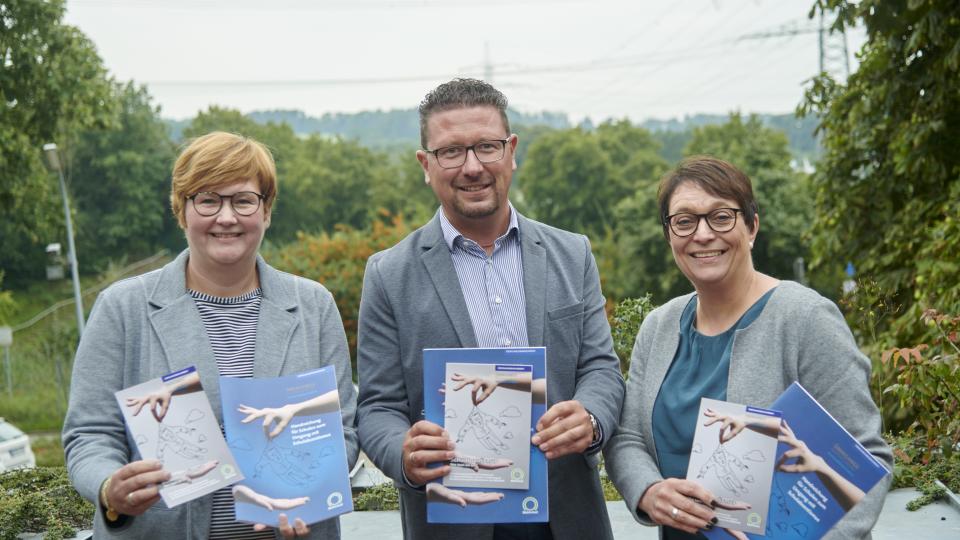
x,y
492,285
231,325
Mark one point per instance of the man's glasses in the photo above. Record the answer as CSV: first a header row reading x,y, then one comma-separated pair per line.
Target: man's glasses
x,y
451,157
720,220
208,203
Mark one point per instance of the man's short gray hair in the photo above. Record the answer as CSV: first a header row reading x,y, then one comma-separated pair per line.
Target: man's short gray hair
x,y
458,94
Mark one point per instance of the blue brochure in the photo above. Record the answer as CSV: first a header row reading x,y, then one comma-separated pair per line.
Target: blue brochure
x,y
821,471
287,436
488,406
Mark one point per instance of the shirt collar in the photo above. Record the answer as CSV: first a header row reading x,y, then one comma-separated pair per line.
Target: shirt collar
x,y
450,233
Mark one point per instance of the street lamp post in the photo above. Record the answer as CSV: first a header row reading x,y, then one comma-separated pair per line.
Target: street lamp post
x,y
53,160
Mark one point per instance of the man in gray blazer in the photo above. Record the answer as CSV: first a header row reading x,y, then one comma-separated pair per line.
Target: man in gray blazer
x,y
481,275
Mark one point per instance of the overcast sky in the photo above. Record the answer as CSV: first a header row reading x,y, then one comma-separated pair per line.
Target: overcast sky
x,y
598,58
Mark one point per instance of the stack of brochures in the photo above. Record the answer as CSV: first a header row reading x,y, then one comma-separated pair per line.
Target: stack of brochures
x,y
819,474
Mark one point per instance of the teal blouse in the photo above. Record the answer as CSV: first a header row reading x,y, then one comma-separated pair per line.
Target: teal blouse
x,y
699,369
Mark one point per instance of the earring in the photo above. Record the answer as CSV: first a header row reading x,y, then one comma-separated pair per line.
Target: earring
x,y
751,244
426,178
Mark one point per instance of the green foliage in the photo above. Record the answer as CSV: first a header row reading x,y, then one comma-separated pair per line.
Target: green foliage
x,y
912,469
7,303
383,497
610,492
625,323
888,181
121,184
639,257
326,182
41,499
573,179
337,260
928,381
869,309
786,203
52,84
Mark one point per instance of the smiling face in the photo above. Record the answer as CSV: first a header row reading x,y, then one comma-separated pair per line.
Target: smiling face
x,y
225,239
708,258
474,194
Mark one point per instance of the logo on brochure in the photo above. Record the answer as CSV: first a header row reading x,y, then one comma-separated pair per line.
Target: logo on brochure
x,y
531,505
753,519
227,470
516,475
334,500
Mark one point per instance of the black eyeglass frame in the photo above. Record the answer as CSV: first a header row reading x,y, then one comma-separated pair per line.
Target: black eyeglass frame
x,y
466,149
193,199
668,221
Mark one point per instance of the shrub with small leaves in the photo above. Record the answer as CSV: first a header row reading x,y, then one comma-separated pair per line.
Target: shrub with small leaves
x,y
624,325
41,500
377,498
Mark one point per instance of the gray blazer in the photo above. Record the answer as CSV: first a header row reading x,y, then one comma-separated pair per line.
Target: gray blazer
x,y
412,300
146,326
799,336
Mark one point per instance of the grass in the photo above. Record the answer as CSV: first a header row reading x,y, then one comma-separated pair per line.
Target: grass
x,y
42,355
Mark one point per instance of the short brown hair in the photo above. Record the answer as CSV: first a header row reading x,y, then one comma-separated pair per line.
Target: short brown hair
x,y
459,94
715,176
219,159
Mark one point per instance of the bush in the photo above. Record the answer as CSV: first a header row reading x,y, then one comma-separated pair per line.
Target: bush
x,y
337,261
377,498
929,383
624,325
41,499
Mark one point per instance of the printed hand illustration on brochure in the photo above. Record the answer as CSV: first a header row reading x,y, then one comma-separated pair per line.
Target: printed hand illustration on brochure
x,y
437,492
844,491
158,401
187,476
324,403
246,494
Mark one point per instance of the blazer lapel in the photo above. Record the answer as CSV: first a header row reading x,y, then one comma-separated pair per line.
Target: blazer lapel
x,y
277,322
534,257
436,259
180,331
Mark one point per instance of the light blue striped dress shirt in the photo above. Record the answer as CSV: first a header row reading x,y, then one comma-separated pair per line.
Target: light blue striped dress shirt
x,y
492,285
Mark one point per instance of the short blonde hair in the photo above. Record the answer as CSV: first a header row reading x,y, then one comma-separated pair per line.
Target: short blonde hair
x,y
219,159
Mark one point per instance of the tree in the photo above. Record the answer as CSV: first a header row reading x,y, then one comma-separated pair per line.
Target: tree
x,y
573,179
889,180
122,183
52,84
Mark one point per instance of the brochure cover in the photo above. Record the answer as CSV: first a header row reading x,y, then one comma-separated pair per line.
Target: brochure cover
x,y
489,427
821,471
171,420
482,404
287,436
733,454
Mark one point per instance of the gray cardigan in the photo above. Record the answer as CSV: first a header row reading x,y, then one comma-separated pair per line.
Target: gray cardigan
x,y
147,326
799,336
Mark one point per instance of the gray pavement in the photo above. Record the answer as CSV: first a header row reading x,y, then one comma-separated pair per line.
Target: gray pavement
x,y
937,521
